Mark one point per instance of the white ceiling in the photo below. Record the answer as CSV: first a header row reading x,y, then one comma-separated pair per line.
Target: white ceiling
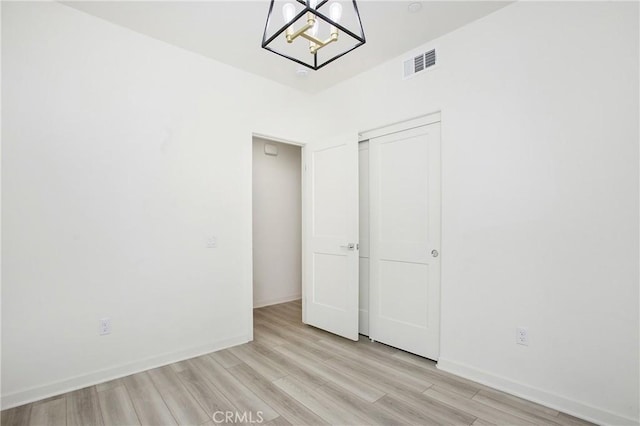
x,y
231,32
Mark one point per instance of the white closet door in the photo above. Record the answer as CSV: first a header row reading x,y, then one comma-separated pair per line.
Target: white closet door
x,y
405,239
331,235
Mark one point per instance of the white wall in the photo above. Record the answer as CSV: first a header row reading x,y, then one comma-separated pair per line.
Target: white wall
x,y
540,196
121,156
277,224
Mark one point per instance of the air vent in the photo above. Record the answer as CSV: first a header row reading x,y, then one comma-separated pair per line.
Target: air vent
x,y
419,63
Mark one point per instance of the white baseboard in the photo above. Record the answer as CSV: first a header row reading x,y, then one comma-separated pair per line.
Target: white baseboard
x,y
539,396
263,303
37,393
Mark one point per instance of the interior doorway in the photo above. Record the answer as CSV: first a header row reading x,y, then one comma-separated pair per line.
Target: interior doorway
x,y
277,222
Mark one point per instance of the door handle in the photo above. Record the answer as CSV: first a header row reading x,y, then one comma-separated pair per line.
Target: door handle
x,y
349,246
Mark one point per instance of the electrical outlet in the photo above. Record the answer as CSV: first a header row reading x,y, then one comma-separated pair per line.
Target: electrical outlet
x,y
104,326
522,336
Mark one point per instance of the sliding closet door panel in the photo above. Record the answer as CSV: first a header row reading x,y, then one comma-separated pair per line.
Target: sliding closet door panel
x,y
403,195
331,235
404,299
405,239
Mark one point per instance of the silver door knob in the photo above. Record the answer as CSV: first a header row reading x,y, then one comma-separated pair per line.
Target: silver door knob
x,y
349,246
434,253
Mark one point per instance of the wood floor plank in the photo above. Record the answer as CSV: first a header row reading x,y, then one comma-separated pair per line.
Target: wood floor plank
x,y
375,359
264,336
116,407
225,358
405,414
290,316
147,401
265,365
480,422
379,375
286,309
17,416
357,387
415,378
284,313
323,407
445,380
517,403
371,378
274,319
289,408
307,330
289,334
83,408
428,409
372,413
290,367
569,420
185,409
415,360
311,351
280,421
236,392
530,415
315,350
50,413
208,396
475,408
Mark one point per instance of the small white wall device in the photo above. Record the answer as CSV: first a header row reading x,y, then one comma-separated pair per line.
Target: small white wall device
x,y
270,149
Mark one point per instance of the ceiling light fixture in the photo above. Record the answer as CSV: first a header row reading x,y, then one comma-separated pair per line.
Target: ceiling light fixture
x,y
331,29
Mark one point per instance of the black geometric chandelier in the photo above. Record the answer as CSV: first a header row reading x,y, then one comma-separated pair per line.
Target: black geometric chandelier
x,y
313,33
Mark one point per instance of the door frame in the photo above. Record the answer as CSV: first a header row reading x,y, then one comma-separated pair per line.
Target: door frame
x,y
248,297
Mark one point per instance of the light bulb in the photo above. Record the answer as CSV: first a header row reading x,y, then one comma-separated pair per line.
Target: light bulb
x,y
314,29
335,12
288,10
313,4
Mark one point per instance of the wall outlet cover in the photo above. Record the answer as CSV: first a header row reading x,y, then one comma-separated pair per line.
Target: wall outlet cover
x,y
522,336
104,326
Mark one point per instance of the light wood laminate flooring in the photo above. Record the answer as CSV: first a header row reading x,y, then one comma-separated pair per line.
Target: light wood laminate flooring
x,y
290,374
